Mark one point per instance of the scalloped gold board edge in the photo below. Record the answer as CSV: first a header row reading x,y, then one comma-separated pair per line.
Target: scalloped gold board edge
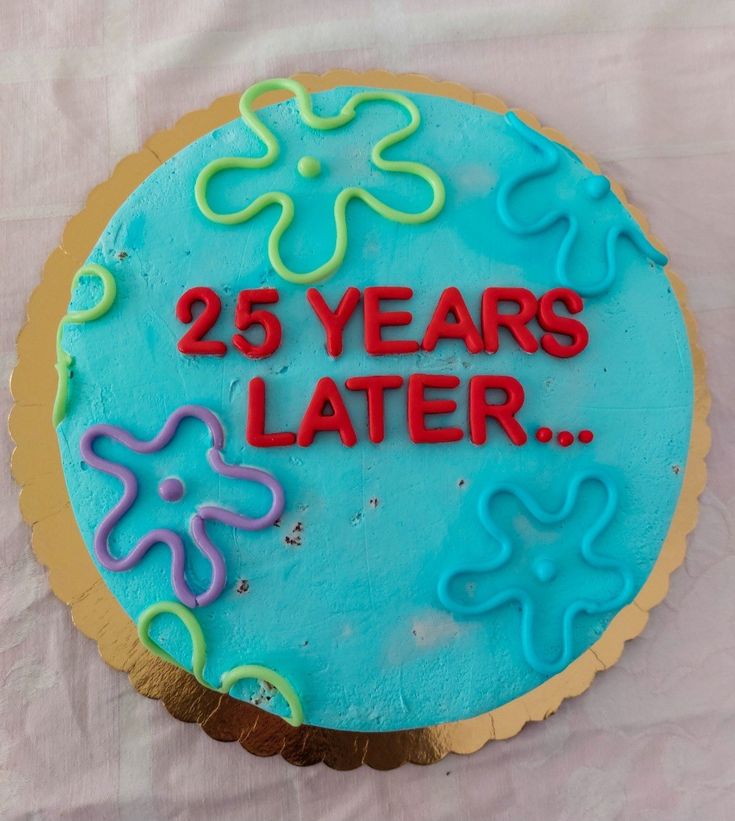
x,y
74,579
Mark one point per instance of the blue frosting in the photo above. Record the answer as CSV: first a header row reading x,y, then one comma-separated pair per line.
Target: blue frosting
x,y
350,613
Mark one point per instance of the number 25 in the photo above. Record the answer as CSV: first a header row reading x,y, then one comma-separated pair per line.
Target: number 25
x,y
193,342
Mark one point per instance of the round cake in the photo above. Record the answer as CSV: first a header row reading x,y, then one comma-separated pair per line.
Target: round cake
x,y
375,405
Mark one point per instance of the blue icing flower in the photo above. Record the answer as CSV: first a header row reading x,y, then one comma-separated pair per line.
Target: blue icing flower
x,y
574,207
171,490
536,577
310,167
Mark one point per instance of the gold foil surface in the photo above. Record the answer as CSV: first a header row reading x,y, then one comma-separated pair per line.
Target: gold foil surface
x,y
74,579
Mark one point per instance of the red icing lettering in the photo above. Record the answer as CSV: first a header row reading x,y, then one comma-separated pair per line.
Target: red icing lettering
x,y
326,412
375,387
192,341
503,413
334,321
493,320
246,317
544,434
462,326
255,430
419,408
549,320
376,320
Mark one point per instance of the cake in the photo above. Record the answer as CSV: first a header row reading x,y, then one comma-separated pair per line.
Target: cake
x,y
374,404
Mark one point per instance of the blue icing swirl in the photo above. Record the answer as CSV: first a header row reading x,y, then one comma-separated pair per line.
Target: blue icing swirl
x,y
527,584
348,610
577,212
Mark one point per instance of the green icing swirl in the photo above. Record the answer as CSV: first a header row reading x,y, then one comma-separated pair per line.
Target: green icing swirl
x,y
199,658
64,361
348,112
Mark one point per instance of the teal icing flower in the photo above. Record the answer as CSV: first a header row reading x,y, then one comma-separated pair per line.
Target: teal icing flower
x,y
310,167
540,578
576,208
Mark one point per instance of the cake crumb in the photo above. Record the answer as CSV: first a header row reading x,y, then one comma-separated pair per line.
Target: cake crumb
x,y
675,468
294,538
243,585
461,483
122,255
374,502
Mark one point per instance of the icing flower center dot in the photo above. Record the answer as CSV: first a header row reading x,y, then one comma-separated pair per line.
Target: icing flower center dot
x,y
171,489
597,187
309,167
544,570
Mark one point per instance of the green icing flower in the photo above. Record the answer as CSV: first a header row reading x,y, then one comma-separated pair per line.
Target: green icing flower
x,y
310,167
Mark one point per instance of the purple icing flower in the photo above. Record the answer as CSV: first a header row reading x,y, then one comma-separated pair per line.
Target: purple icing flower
x,y
171,489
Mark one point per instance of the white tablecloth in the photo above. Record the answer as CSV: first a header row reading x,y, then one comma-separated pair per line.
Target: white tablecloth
x,y
647,87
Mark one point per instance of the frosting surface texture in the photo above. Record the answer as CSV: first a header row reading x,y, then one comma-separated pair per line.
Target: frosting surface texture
x,y
401,584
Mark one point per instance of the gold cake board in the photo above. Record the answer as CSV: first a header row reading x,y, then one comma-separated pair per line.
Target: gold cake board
x,y
74,579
